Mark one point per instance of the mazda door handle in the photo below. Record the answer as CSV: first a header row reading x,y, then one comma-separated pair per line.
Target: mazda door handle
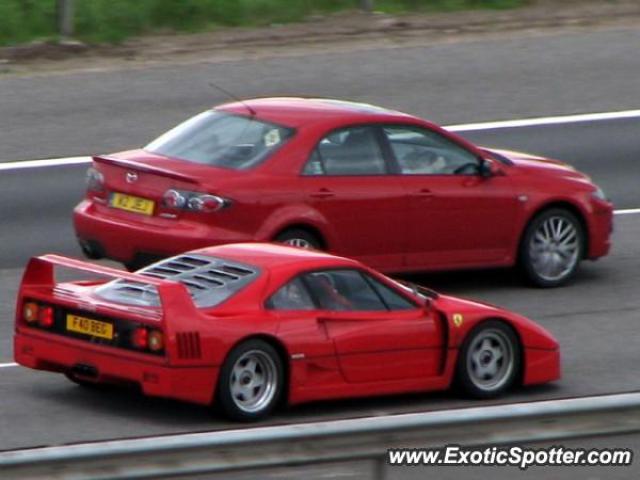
x,y
424,193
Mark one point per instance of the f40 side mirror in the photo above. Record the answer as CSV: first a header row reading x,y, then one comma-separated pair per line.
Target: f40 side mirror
x,y
427,305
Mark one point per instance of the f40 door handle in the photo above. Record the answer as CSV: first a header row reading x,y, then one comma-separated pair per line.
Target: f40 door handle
x,y
323,193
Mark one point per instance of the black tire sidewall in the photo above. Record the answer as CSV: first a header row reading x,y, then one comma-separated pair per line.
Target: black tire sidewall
x,y
524,259
462,379
224,400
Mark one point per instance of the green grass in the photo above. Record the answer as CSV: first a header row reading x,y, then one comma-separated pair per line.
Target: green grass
x,y
111,21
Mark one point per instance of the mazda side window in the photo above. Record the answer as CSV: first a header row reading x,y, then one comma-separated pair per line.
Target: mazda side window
x,y
348,151
423,152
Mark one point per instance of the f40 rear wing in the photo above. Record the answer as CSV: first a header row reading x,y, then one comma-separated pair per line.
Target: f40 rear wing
x,y
174,297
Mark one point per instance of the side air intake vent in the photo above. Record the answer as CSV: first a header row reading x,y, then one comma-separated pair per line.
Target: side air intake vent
x,y
188,345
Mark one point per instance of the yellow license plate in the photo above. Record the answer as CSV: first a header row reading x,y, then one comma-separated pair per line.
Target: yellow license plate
x,y
132,204
89,326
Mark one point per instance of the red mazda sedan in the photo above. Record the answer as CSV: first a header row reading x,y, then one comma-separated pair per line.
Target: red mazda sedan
x,y
392,190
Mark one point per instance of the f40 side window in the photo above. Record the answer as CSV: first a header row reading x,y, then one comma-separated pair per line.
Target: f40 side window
x,y
343,290
393,300
348,151
291,296
419,151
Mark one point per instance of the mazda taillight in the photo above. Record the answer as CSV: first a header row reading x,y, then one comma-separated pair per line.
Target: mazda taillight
x,y
174,199
194,201
95,180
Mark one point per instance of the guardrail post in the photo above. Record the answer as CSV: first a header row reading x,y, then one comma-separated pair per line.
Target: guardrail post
x,y
379,468
366,5
65,18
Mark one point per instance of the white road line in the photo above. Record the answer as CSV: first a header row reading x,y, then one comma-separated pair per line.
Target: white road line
x,y
466,127
5,365
52,162
532,122
626,211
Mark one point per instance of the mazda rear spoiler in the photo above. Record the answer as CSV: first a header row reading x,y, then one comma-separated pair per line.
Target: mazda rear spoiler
x,y
143,167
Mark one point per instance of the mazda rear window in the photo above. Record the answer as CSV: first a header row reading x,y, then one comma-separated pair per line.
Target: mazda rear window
x,y
222,139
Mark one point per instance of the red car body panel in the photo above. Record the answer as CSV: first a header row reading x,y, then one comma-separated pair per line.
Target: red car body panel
x,y
395,223
328,354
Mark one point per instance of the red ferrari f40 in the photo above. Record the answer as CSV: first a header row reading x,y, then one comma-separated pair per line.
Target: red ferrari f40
x,y
246,327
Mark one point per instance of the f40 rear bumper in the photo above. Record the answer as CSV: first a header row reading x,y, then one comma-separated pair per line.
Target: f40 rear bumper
x,y
191,384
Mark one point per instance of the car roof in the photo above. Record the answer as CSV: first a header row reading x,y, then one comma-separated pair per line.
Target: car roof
x,y
272,256
298,111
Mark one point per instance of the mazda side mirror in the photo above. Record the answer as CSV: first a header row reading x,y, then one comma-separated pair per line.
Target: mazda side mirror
x,y
489,168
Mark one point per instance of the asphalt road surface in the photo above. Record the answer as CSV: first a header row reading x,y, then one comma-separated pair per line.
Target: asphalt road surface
x,y
595,319
450,82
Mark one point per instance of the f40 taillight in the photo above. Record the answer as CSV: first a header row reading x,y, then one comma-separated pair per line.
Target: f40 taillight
x,y
45,316
30,312
194,201
150,339
34,313
139,338
155,341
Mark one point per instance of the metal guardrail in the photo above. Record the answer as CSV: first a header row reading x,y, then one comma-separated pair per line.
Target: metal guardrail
x,y
334,441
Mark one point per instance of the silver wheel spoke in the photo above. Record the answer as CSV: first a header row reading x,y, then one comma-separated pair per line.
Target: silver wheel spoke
x,y
497,354
567,234
561,226
569,246
251,366
258,381
539,236
566,251
555,228
236,390
548,230
491,370
557,264
476,358
551,265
